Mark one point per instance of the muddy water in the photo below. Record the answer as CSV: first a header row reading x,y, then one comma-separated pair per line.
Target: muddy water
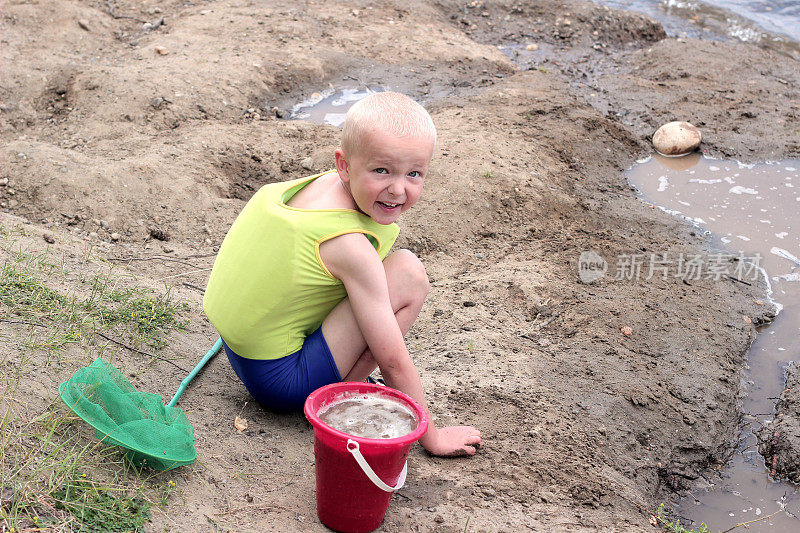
x,y
330,106
755,211
773,23
371,417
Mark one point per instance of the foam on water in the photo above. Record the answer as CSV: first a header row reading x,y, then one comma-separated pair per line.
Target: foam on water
x,y
370,416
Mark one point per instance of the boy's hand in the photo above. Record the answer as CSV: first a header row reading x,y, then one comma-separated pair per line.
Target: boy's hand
x,y
452,441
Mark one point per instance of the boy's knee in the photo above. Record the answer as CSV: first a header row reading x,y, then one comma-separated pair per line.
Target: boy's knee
x,y
414,272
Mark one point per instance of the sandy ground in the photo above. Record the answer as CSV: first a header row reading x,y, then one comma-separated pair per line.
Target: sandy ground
x,y
585,428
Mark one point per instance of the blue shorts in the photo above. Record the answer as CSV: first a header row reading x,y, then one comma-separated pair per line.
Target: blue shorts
x,y
284,384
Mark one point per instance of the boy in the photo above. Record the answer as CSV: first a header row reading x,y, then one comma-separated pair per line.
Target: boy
x,y
303,291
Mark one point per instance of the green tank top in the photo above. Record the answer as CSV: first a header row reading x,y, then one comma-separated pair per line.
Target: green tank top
x,y
269,289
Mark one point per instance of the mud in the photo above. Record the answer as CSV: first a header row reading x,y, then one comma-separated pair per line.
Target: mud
x,y
779,440
584,428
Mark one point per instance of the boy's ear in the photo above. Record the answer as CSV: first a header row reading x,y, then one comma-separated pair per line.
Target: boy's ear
x,y
342,166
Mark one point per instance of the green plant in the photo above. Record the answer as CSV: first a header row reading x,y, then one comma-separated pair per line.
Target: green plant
x,y
166,492
488,175
147,314
40,461
676,527
100,303
97,508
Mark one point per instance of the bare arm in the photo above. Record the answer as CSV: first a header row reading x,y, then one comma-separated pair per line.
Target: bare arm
x,y
352,259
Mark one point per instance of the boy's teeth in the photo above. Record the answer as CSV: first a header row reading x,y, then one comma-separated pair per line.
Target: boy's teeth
x,y
389,205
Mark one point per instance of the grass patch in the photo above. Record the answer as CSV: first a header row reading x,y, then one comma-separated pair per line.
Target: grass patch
x,y
41,485
46,305
147,315
100,303
98,508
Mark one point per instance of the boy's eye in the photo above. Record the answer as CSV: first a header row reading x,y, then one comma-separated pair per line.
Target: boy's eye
x,y
381,170
414,174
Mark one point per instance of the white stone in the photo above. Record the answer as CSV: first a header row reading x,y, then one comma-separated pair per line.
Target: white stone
x,y
677,138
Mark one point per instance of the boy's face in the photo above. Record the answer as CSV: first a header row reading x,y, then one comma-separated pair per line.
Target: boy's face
x,y
385,177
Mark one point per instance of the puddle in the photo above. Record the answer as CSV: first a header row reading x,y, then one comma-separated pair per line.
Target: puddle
x,y
755,210
330,106
770,23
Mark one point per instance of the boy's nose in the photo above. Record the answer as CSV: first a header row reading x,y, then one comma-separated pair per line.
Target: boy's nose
x,y
396,188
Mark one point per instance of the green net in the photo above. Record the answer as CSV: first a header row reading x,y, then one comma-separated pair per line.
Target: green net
x,y
152,433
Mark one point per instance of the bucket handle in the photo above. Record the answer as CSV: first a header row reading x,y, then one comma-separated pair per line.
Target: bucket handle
x,y
353,448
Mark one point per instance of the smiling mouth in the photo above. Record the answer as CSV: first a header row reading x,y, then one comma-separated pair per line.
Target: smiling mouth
x,y
388,205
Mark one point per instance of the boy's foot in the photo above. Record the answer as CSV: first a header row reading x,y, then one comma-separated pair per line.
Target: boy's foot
x,y
376,381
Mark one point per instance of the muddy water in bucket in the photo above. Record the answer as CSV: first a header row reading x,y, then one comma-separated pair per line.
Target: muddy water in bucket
x,y
754,210
372,417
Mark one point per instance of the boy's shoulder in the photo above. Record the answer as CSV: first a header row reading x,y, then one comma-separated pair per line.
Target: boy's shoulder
x,y
324,192
348,254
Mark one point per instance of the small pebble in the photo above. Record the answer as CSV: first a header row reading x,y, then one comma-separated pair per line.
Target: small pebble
x,y
627,331
115,236
161,50
83,23
307,163
48,238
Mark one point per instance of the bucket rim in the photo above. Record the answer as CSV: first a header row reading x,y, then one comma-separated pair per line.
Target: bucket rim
x,y
362,387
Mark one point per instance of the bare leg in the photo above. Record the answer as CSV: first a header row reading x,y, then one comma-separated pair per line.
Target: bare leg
x,y
408,287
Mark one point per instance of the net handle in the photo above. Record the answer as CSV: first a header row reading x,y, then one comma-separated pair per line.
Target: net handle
x,y
188,379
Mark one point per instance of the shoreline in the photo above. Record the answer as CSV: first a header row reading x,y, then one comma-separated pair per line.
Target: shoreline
x,y
585,427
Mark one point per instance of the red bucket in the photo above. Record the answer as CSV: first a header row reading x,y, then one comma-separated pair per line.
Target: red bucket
x,y
356,476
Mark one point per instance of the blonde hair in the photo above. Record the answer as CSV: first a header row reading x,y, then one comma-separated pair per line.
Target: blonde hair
x,y
388,112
